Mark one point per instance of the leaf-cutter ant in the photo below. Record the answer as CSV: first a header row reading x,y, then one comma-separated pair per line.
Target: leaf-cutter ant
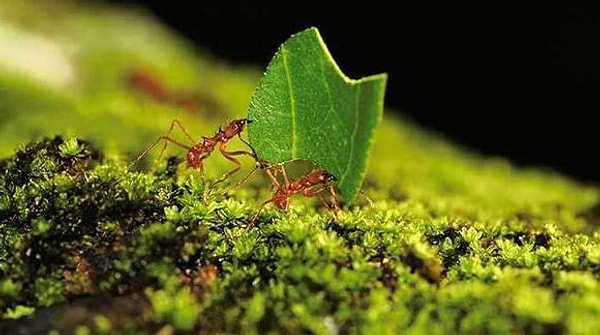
x,y
311,184
147,83
200,150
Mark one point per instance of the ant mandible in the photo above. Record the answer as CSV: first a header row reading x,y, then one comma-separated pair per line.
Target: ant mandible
x,y
198,152
312,184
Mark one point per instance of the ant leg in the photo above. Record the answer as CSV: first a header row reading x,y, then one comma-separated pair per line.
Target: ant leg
x,y
332,205
249,146
251,222
165,138
276,185
334,198
182,128
277,168
285,177
260,164
271,176
371,203
229,155
205,190
243,180
228,174
177,123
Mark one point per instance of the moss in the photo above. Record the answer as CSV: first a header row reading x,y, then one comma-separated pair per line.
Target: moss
x,y
454,242
174,304
19,311
83,225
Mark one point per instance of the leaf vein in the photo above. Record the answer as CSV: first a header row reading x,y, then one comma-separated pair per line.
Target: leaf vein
x,y
293,148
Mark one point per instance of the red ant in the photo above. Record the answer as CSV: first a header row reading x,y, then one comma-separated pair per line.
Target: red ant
x,y
147,83
312,184
199,151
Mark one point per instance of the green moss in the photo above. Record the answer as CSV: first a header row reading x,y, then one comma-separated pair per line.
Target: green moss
x,y
80,225
174,305
19,311
82,330
103,324
454,242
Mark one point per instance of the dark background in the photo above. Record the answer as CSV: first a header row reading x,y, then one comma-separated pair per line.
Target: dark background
x,y
515,81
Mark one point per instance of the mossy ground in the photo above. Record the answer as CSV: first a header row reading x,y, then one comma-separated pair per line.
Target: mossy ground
x,y
454,243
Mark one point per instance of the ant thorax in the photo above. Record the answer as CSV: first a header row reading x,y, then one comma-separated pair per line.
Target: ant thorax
x,y
219,137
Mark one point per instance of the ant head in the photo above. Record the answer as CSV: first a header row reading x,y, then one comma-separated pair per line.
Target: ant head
x,y
327,177
241,122
235,127
261,163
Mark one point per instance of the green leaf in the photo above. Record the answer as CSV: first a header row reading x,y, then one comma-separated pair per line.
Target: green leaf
x,y
305,108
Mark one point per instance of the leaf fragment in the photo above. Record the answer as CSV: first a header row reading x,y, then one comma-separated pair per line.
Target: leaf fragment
x,y
305,108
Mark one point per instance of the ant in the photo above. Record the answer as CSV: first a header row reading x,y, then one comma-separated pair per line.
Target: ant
x,y
311,184
148,84
198,152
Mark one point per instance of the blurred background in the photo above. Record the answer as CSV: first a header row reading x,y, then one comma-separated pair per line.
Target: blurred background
x,y
515,81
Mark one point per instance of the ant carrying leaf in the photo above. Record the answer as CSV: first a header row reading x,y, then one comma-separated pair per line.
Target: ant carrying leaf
x,y
314,183
318,182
